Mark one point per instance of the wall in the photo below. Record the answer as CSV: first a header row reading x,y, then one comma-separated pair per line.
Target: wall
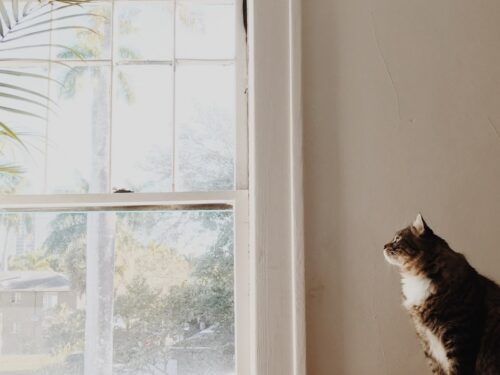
x,y
401,114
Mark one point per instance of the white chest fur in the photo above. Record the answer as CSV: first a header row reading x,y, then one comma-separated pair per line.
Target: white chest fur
x,y
436,349
416,289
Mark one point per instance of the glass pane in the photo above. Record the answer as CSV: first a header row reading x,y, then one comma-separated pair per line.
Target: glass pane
x,y
41,293
84,31
24,91
144,30
72,283
142,128
205,31
29,32
78,138
205,127
174,294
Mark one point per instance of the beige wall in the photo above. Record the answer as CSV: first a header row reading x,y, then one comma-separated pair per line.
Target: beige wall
x,y
401,101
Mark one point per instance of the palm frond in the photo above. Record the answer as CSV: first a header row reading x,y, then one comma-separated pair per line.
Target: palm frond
x,y
23,89
44,45
17,27
5,15
9,133
21,112
15,9
56,19
10,169
33,15
23,99
26,74
49,30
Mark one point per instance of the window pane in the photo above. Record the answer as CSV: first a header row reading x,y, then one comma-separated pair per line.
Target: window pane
x,y
41,293
142,128
205,123
84,145
89,36
30,128
205,31
78,138
144,30
70,283
15,39
174,294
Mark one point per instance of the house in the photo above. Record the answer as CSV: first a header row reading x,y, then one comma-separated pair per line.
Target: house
x,y
209,351
25,298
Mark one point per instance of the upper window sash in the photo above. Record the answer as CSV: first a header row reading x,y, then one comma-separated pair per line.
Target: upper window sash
x,y
179,66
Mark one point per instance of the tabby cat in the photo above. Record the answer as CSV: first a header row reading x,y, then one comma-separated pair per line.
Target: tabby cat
x,y
456,311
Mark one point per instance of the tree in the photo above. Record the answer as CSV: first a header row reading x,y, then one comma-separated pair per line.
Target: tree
x,y
208,297
12,222
162,299
33,261
64,330
65,229
141,330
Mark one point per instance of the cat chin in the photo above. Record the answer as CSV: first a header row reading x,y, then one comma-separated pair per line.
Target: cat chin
x,y
392,260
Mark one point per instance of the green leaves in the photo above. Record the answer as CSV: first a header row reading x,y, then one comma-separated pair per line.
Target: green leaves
x,y
21,30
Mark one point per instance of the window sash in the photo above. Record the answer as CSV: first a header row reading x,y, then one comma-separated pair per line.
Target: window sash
x,y
237,199
239,62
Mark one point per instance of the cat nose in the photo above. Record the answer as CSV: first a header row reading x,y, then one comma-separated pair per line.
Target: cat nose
x,y
388,246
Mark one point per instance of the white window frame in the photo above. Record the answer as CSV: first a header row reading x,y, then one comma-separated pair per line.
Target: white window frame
x,y
267,201
276,205
237,199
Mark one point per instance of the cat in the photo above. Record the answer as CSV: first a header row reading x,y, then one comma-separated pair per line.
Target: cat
x,y
455,310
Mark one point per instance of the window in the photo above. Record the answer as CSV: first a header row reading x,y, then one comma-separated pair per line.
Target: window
x,y
50,300
160,72
127,232
15,298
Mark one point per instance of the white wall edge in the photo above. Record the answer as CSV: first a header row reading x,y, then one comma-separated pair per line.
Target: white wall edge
x,y
297,196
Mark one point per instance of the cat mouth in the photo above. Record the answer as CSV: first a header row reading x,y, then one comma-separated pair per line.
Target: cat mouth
x,y
391,256
389,250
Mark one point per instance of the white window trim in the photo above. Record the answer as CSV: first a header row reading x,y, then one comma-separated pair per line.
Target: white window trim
x,y
273,343
237,198
276,203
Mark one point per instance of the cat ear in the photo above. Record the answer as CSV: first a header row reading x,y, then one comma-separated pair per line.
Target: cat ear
x,y
419,227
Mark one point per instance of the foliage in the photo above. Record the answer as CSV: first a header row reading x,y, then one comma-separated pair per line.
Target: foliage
x,y
66,228
162,299
64,329
33,261
141,332
72,263
208,299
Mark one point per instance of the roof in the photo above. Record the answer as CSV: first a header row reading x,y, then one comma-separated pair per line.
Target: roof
x,y
34,281
209,338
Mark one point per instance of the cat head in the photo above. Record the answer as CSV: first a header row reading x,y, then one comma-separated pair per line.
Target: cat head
x,y
413,245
